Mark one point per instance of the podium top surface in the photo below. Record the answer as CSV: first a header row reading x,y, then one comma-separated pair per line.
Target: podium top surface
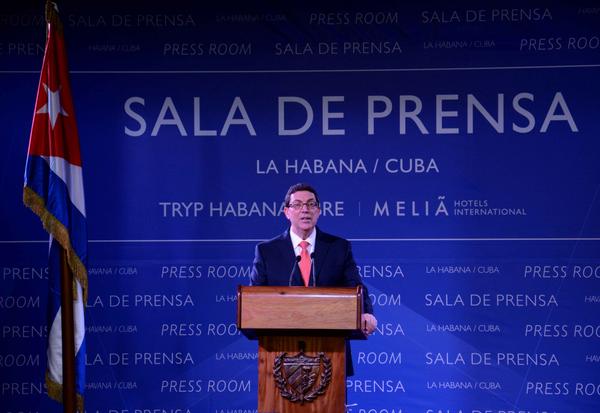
x,y
300,308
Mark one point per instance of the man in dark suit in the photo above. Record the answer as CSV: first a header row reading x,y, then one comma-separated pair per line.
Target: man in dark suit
x,y
324,260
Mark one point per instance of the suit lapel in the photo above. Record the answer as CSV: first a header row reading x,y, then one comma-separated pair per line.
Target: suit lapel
x,y
321,251
289,256
285,246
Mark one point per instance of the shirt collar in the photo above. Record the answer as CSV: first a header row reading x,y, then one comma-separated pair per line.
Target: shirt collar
x,y
312,239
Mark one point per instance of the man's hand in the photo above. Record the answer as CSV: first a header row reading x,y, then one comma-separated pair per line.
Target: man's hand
x,y
369,323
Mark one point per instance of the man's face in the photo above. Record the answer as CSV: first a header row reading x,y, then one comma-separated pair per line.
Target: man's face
x,y
303,219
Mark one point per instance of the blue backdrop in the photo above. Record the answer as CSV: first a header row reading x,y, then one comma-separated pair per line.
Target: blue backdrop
x,y
456,146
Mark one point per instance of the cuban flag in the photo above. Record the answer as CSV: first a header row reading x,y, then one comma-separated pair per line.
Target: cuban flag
x,y
54,191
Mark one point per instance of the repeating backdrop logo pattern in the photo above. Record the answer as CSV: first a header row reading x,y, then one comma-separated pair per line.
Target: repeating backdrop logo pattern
x,y
456,146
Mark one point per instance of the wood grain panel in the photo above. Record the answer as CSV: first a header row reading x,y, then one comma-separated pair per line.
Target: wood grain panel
x,y
269,397
299,308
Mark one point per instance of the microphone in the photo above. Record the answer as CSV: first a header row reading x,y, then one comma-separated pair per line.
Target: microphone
x,y
312,269
296,261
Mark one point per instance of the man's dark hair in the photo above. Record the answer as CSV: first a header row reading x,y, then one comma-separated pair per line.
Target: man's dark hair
x,y
300,187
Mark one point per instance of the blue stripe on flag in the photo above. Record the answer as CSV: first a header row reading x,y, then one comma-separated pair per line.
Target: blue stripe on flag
x,y
53,190
80,367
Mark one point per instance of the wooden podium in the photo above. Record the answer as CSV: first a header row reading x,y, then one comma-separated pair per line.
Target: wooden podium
x,y
302,335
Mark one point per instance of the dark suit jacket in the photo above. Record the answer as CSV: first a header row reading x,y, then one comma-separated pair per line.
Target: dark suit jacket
x,y
334,266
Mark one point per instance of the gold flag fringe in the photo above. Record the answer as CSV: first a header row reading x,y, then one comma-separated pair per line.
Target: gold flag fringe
x,y
55,392
60,233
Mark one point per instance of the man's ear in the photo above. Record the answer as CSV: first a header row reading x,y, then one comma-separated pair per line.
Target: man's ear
x,y
286,211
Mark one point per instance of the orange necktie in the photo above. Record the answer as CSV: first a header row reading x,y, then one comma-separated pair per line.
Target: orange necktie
x,y
305,262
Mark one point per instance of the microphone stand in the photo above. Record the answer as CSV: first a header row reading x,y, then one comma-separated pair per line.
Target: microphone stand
x,y
296,261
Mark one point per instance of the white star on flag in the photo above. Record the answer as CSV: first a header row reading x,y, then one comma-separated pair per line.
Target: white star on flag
x,y
52,107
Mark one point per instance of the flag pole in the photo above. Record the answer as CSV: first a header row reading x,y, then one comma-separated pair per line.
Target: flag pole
x,y
68,335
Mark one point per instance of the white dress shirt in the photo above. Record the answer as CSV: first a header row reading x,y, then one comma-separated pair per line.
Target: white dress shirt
x,y
312,239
